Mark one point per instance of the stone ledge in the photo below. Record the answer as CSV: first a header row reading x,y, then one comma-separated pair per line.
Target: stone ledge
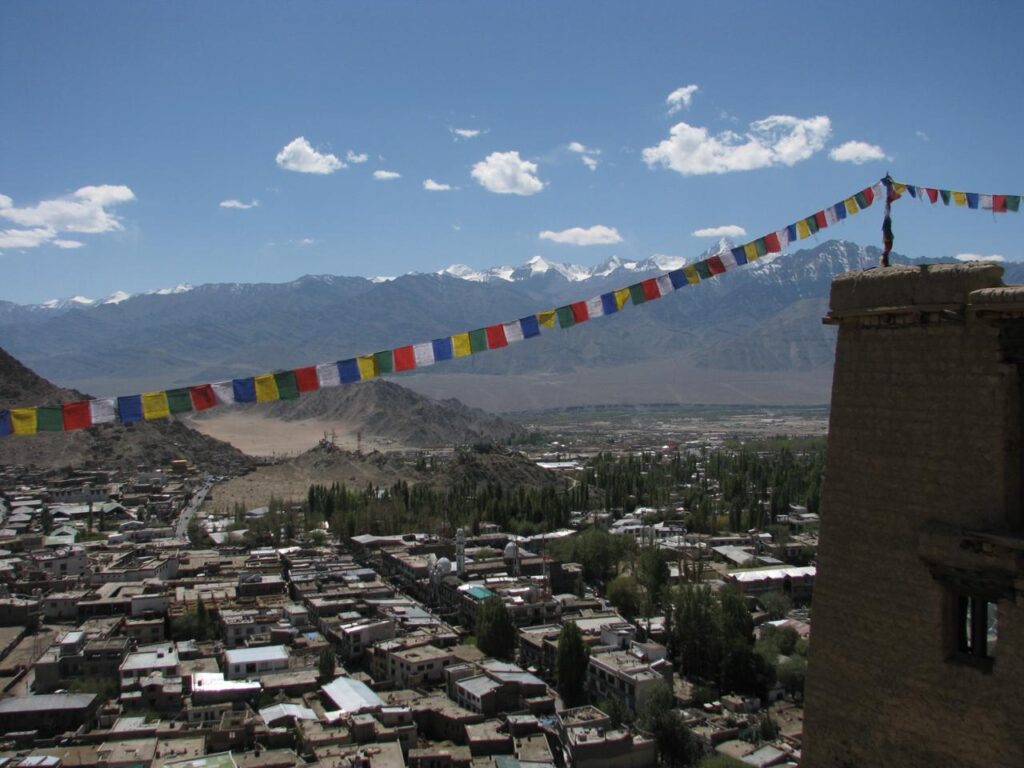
x,y
933,285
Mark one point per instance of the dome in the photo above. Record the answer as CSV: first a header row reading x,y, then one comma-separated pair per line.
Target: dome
x,y
511,551
444,566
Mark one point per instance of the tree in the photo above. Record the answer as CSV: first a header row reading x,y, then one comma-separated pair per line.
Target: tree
x,y
653,573
495,633
676,746
776,605
327,664
792,674
624,594
571,664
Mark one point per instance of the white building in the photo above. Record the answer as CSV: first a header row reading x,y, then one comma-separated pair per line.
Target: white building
x,y
242,662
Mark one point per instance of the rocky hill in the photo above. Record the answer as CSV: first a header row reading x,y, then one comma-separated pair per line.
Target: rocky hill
x,y
110,445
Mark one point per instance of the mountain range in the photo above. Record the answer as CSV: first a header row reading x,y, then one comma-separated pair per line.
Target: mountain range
x,y
753,335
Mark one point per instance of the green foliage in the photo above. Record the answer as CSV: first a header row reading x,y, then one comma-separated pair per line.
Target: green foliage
x,y
653,572
195,624
596,550
792,675
624,594
495,633
776,605
571,664
326,664
768,729
676,746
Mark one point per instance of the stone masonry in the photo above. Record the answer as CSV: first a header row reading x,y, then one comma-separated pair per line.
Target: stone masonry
x,y
921,515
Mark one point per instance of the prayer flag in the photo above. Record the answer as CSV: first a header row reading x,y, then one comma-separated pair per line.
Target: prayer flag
x,y
762,249
348,371
530,326
636,294
1013,203
245,390
933,194
547,318
385,360
224,391
703,269
179,400
609,306
565,318
513,332
328,375
692,275
461,345
812,224
678,278
306,379
154,406
783,235
972,199
443,348
5,423
838,212
803,231
739,255
622,296
960,199
102,411
851,205
405,358
985,202
266,388
424,354
877,190
665,285
367,367
650,288
820,219
999,203
202,397
579,312
595,307
728,260
23,421
715,265
771,242
496,336
478,340
750,251
287,385
129,408
946,196
77,415
50,418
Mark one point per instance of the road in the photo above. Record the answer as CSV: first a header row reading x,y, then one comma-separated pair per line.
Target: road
x,y
181,528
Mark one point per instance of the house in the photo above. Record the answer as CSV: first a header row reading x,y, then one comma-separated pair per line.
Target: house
x,y
243,662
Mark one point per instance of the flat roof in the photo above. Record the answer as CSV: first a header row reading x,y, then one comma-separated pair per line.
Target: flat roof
x,y
352,695
48,701
761,574
255,655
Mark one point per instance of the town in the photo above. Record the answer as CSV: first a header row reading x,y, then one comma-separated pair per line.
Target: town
x,y
656,608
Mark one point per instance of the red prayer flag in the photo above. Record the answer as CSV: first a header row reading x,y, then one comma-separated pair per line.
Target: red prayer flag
x,y
716,266
820,219
77,415
405,359
202,397
496,336
306,379
999,203
933,194
579,312
651,289
771,243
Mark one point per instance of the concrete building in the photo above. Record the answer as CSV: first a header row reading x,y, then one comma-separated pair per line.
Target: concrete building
x,y
626,676
922,524
414,667
147,661
243,662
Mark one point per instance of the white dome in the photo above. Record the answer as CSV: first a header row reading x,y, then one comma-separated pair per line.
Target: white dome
x,y
511,551
443,566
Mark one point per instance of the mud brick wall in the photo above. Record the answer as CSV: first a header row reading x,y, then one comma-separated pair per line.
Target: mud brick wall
x,y
925,427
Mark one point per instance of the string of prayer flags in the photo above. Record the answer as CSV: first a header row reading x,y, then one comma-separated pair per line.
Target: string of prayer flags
x,y
290,384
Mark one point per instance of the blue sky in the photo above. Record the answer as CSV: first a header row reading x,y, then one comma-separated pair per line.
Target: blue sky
x,y
129,126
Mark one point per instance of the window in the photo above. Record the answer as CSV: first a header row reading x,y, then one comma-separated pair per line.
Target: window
x,y
976,623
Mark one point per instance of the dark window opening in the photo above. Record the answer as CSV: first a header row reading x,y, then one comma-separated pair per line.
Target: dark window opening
x,y
977,627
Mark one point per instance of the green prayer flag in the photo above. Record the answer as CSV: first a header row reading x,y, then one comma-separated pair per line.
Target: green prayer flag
x,y
478,340
1013,203
946,195
636,293
703,269
385,362
179,400
50,418
565,318
812,224
862,202
287,389
762,247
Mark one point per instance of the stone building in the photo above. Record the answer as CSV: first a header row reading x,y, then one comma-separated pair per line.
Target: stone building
x,y
918,650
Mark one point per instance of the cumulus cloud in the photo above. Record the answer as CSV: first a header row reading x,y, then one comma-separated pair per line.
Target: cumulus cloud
x,y
68,244
680,98
726,230
775,140
978,257
505,173
857,152
587,154
386,175
435,186
356,157
238,204
596,235
299,156
85,210
26,238
465,133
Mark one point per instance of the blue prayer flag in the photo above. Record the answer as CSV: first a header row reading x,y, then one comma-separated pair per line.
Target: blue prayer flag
x,y
129,408
348,371
442,349
245,390
972,199
677,276
530,326
740,254
5,423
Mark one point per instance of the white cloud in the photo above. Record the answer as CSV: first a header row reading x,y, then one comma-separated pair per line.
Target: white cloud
x,y
978,257
386,175
726,230
857,152
238,204
26,238
465,133
434,186
587,154
596,235
299,155
306,241
680,98
85,210
505,173
68,244
356,157
775,140
922,135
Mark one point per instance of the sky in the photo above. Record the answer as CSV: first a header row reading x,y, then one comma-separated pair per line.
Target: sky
x,y
145,144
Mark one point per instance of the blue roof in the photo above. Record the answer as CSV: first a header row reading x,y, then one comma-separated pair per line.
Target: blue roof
x,y
480,593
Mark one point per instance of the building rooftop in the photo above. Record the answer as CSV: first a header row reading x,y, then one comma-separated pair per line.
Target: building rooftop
x,y
45,702
352,696
256,655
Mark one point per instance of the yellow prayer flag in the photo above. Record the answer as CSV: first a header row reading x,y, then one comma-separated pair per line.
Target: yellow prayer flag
x,y
960,198
802,230
24,421
266,388
155,406
691,274
621,297
460,345
547,318
851,205
367,367
898,189
750,251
